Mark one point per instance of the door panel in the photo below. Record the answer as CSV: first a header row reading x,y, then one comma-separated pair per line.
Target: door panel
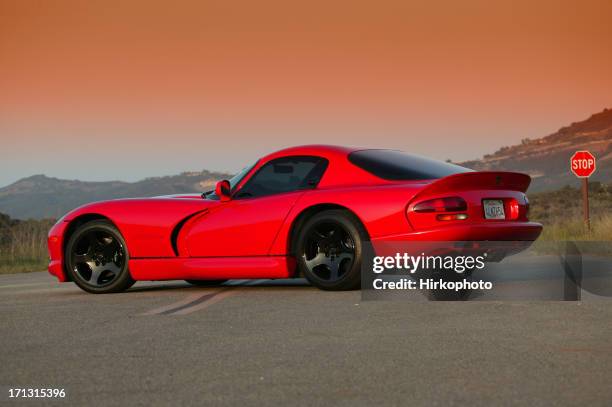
x,y
241,227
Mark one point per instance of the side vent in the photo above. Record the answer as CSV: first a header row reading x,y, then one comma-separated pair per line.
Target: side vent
x,y
177,230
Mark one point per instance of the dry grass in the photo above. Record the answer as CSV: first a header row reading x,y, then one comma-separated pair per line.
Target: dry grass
x,y
23,245
561,214
597,241
601,230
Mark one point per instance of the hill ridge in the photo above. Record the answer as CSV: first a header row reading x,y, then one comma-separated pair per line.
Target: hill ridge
x,y
40,196
546,159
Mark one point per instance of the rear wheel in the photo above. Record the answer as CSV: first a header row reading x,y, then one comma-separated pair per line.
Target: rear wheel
x,y
206,283
97,258
329,250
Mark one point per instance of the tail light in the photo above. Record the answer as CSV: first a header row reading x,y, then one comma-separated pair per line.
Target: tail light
x,y
450,204
454,216
514,209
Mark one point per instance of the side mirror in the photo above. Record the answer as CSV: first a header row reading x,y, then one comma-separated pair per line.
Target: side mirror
x,y
223,190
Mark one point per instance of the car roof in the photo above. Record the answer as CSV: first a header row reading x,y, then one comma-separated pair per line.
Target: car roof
x,y
340,170
322,150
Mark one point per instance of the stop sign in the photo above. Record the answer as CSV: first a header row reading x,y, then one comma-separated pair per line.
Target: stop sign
x,y
582,164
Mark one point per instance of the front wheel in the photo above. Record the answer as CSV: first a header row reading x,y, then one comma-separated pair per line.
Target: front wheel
x,y
329,250
97,258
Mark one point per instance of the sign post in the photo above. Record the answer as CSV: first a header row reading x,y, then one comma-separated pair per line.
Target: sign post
x,y
585,202
582,165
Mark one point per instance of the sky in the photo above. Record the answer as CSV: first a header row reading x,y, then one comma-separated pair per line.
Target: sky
x,y
104,90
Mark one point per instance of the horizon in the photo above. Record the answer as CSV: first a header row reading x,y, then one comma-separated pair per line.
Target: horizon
x,y
100,94
231,172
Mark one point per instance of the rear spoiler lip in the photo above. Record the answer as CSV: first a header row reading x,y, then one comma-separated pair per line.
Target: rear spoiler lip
x,y
478,180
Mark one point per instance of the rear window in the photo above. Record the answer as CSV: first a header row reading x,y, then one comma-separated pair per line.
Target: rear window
x,y
399,166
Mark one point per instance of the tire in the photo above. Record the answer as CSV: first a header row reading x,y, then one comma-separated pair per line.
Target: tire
x,y
329,250
206,283
97,258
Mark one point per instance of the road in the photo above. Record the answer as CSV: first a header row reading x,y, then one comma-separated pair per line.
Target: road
x,y
286,343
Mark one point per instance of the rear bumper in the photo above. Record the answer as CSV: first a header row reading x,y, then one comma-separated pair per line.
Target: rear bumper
x,y
493,231
496,239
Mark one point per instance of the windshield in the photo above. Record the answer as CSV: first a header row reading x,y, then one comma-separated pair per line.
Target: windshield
x,y
399,166
234,181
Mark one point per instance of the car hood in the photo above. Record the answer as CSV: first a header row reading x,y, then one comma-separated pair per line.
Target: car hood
x,y
180,196
170,207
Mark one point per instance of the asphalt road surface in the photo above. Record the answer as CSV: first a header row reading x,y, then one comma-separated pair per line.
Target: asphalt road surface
x,y
286,343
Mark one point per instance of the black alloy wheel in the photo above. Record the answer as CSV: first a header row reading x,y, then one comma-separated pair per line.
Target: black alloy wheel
x,y
97,258
329,250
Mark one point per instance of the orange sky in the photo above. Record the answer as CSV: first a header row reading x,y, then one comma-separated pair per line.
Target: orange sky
x,y
127,89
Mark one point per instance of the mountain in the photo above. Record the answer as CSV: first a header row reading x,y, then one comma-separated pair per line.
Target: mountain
x,y
546,159
40,196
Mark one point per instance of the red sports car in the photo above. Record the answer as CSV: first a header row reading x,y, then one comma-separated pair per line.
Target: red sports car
x,y
303,211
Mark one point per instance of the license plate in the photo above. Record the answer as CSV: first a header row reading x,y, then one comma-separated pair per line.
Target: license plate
x,y
494,209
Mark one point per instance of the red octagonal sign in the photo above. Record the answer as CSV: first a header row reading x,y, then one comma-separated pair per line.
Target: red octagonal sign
x,y
582,164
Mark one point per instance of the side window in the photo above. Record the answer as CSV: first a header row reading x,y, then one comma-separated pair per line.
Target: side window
x,y
284,175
